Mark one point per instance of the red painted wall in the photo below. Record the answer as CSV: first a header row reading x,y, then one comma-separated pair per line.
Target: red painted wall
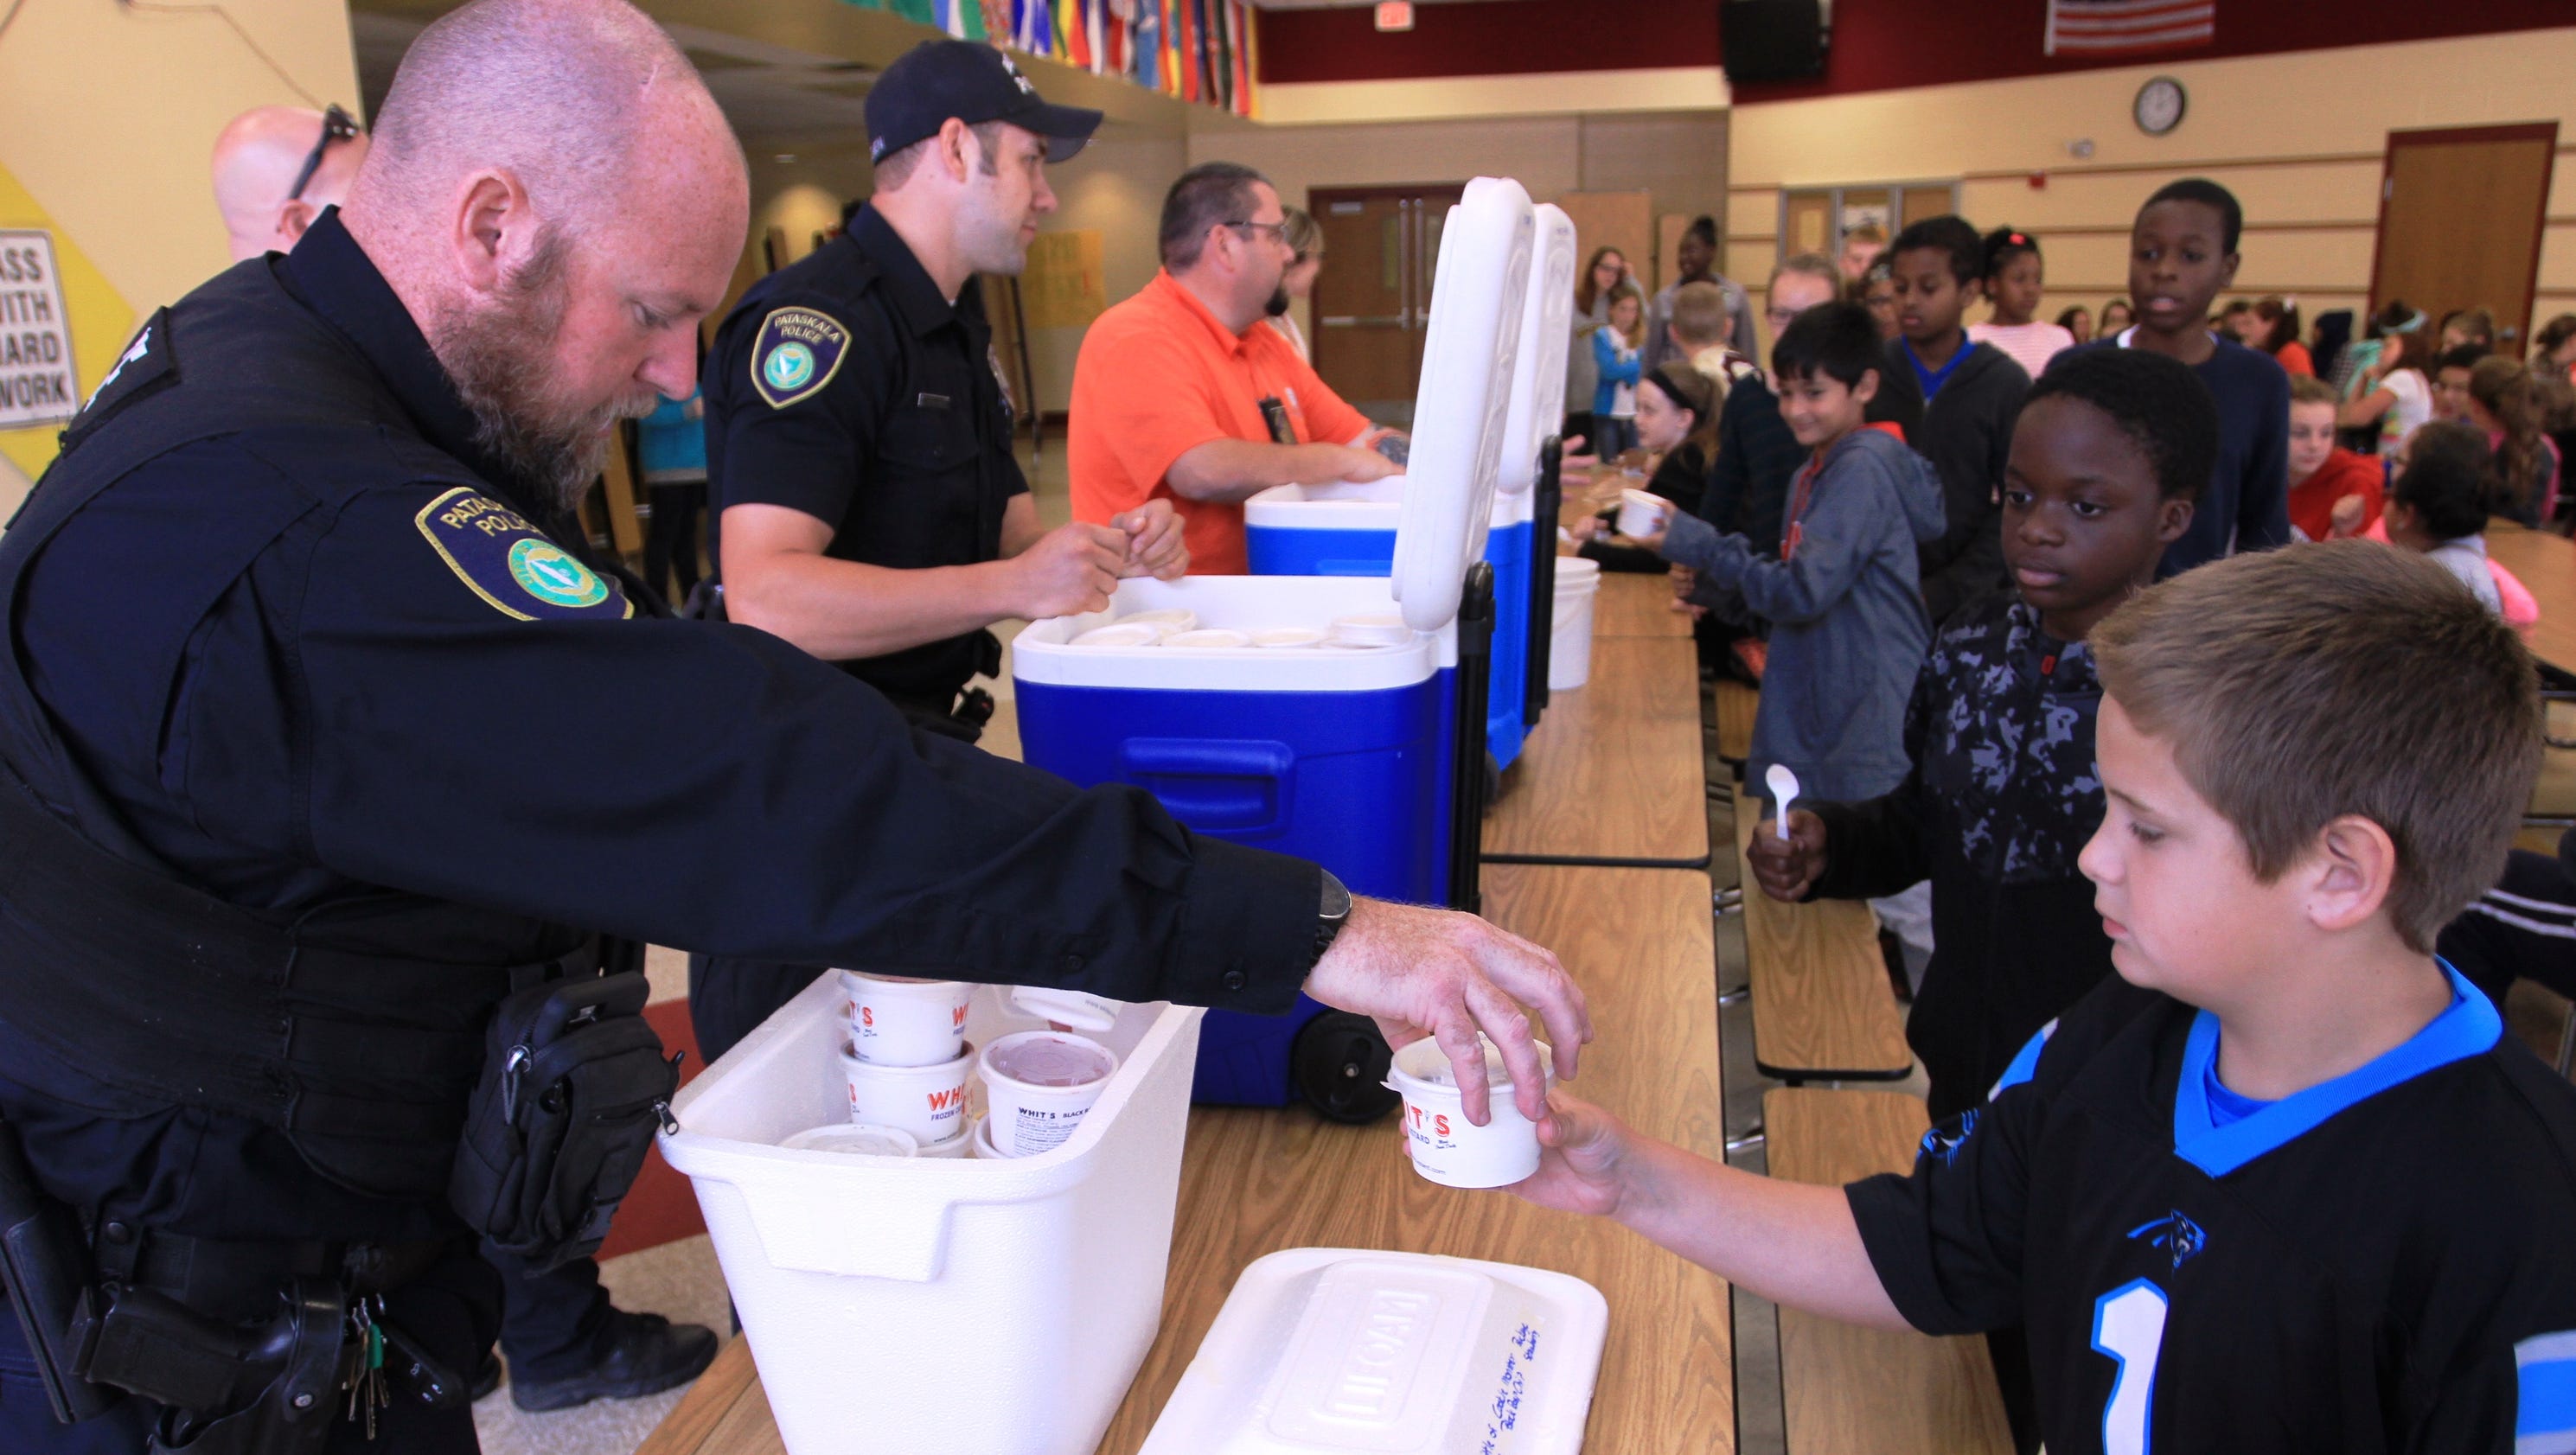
x,y
1878,45
1497,38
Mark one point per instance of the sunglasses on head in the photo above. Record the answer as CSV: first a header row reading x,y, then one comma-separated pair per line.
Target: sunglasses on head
x,y
337,125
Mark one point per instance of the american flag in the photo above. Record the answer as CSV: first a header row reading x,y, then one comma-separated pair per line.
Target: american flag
x,y
2112,27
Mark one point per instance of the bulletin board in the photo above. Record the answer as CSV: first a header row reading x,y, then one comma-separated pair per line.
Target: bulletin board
x,y
1064,286
63,326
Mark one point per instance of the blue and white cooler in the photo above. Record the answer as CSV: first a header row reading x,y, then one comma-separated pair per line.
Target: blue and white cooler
x,y
1313,715
1344,529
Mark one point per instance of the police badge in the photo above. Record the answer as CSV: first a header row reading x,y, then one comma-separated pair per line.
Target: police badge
x,y
797,353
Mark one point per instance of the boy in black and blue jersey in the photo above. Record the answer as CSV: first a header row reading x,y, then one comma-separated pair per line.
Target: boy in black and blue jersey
x,y
2283,1184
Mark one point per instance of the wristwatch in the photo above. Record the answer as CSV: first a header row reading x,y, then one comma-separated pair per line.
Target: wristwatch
x,y
1333,913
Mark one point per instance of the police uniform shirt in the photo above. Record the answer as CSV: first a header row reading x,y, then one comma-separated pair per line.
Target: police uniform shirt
x,y
329,671
844,386
2380,1263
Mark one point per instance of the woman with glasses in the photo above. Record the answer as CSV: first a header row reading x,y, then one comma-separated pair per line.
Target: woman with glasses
x,y
1305,239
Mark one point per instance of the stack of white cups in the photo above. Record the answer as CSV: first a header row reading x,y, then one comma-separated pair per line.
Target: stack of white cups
x,y
907,1060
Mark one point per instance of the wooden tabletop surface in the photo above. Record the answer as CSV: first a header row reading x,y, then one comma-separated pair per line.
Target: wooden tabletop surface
x,y
1822,1007
1256,1181
2547,566
1633,604
1844,1387
1614,770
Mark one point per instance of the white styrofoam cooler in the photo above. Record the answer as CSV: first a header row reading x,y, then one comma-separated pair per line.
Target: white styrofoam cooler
x,y
934,1306
1323,1350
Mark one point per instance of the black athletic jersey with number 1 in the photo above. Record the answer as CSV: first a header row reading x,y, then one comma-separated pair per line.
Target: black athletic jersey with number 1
x,y
2385,1262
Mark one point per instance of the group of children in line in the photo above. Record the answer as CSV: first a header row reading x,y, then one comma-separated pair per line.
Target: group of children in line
x,y
2230,1154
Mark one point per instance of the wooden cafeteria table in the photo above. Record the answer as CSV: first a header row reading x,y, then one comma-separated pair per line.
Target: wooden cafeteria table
x,y
2546,564
1635,604
1254,1181
1614,771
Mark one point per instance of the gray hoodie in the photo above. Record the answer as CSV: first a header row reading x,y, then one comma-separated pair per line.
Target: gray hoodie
x,y
1847,626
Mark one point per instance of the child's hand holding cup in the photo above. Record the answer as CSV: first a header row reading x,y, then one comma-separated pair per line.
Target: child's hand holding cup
x,y
1787,867
1584,1156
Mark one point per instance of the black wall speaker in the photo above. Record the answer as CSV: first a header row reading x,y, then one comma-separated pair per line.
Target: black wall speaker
x,y
1773,40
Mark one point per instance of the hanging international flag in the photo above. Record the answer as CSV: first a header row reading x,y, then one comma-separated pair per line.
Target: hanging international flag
x,y
917,11
1095,31
1068,30
1145,45
1222,15
1033,27
963,19
1175,37
2120,27
1249,21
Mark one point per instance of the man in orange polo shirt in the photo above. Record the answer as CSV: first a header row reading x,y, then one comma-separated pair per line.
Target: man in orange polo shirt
x,y
1182,393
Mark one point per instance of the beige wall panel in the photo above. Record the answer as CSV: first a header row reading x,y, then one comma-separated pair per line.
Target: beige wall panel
x,y
2562,179
1115,188
2313,110
1753,213
1750,263
108,116
2314,192
1681,159
1544,153
1556,93
2326,101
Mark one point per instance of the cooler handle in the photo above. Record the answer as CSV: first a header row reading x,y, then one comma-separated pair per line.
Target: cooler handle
x,y
1235,786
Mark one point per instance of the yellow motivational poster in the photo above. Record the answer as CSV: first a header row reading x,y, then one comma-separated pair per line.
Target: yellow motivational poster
x,y
1064,286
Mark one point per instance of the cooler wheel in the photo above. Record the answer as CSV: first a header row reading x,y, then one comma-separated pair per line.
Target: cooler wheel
x,y
1339,1064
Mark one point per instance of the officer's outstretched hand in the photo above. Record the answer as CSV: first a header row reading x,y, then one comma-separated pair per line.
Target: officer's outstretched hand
x,y
1435,972
1155,546
1071,570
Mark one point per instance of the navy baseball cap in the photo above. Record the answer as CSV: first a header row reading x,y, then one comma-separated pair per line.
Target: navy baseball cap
x,y
973,82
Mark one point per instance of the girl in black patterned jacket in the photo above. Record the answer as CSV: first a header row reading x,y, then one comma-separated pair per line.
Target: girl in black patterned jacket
x,y
2108,454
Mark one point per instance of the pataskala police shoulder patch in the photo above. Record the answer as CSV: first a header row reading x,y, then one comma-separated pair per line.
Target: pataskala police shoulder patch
x,y
797,353
508,562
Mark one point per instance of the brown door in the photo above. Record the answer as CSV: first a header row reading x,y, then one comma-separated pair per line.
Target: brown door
x,y
1373,298
2460,213
1622,220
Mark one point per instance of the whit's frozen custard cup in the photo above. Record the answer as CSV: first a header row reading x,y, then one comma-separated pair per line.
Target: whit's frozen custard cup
x,y
927,1101
1449,1149
1075,1009
855,1139
1037,1087
899,1022
1641,513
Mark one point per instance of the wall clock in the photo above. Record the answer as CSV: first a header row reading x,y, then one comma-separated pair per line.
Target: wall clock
x,y
2159,106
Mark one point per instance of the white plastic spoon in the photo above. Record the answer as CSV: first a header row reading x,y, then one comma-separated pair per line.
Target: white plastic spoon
x,y
1784,791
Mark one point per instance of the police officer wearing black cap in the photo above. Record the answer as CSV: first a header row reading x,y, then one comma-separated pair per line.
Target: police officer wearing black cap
x,y
869,507
318,757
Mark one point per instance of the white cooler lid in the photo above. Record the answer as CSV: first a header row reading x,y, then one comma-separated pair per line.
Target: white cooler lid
x,y
1469,350
1333,1349
1538,380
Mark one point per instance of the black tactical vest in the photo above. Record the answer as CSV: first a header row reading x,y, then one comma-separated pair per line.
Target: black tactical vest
x,y
355,1029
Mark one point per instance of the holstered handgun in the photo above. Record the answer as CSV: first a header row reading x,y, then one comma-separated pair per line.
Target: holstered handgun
x,y
45,1264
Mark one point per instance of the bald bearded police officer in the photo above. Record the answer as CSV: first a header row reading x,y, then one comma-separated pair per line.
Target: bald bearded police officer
x,y
869,508
305,762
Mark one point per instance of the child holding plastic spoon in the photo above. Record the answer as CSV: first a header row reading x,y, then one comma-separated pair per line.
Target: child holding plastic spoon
x,y
2109,451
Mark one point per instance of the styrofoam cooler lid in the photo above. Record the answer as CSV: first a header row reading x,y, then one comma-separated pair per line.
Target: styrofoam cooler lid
x,y
1468,353
1538,380
1334,1349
